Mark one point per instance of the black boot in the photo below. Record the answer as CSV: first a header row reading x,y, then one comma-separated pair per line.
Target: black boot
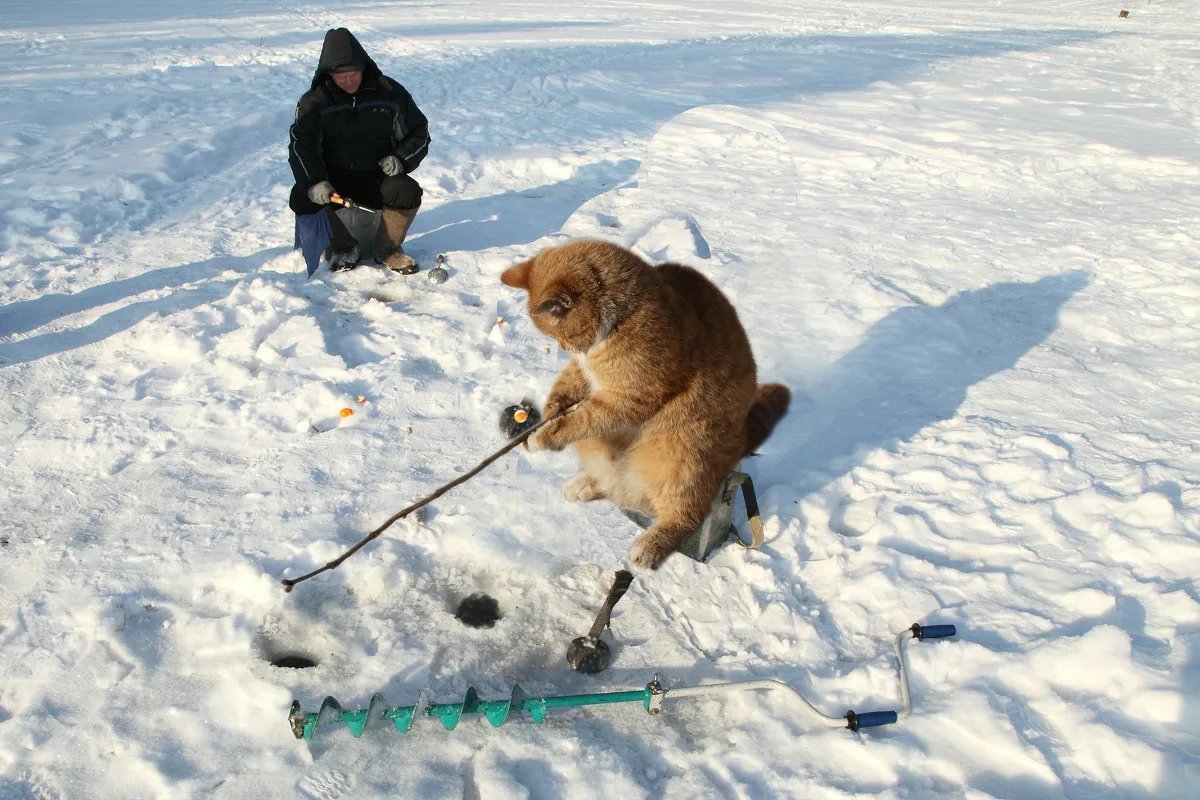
x,y
343,248
343,259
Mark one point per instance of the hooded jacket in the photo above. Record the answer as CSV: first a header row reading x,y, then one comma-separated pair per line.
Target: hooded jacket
x,y
339,133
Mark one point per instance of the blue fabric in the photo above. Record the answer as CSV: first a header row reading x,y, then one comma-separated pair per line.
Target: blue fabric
x,y
313,235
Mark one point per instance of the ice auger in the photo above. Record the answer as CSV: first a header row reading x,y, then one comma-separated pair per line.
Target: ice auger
x,y
651,698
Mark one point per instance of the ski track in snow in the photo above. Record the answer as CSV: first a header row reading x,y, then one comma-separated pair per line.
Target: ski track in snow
x,y
965,238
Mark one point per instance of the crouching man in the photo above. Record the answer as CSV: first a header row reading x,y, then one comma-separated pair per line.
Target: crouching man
x,y
359,134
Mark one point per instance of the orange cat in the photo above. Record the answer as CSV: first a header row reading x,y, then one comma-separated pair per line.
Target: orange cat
x,y
665,379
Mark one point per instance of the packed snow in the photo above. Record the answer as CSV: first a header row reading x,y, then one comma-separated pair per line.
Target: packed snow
x,y
967,236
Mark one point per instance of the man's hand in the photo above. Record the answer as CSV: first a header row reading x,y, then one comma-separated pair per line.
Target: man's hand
x,y
390,165
320,193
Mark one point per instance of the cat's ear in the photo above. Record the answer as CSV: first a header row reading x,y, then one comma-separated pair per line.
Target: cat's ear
x,y
556,306
518,276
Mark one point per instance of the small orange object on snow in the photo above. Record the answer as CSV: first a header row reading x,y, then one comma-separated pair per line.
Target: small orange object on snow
x,y
362,400
346,412
521,415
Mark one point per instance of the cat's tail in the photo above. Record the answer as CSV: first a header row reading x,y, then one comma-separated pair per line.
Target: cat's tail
x,y
770,404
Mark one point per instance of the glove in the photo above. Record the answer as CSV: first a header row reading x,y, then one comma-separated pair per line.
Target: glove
x,y
390,165
320,193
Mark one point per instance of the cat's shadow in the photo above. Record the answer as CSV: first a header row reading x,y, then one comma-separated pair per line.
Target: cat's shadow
x,y
913,369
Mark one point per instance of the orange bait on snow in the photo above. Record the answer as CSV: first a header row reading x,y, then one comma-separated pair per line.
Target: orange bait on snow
x,y
346,412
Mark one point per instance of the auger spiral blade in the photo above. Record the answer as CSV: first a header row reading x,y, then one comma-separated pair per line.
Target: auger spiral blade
x,y
496,712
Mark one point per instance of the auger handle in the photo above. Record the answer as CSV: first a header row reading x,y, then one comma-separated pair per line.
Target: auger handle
x,y
923,632
870,719
620,586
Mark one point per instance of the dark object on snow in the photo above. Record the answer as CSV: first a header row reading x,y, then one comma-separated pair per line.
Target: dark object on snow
x,y
293,661
439,274
589,654
516,420
1123,14
478,611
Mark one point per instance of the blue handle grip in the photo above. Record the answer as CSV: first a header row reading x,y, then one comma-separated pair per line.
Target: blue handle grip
x,y
922,632
870,719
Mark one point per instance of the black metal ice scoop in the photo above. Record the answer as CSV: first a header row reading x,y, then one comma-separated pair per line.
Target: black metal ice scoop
x,y
588,653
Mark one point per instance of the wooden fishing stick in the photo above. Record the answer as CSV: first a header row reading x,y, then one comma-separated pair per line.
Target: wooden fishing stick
x,y
289,583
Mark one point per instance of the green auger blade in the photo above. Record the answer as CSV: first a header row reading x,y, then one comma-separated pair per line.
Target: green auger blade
x,y
497,712
401,717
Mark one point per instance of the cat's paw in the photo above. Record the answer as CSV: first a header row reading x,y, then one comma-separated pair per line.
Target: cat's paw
x,y
534,442
582,488
648,551
546,438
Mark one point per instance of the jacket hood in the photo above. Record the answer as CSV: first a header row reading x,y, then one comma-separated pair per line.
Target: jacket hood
x,y
342,48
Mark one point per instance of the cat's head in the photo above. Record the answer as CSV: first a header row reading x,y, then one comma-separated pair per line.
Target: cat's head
x,y
578,292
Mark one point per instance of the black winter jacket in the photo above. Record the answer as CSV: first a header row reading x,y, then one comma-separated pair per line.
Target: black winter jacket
x,y
337,133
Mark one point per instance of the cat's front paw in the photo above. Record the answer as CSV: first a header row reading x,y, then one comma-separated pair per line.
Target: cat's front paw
x,y
582,488
648,551
533,442
545,438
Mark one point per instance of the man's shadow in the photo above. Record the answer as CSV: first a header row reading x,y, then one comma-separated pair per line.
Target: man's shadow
x,y
912,370
28,315
511,218
514,218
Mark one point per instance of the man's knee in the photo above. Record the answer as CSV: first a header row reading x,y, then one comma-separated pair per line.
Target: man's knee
x,y
400,191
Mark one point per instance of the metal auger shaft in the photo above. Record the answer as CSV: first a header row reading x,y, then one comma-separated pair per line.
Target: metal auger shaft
x,y
651,697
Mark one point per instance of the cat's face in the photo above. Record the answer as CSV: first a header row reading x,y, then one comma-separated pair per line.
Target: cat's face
x,y
571,292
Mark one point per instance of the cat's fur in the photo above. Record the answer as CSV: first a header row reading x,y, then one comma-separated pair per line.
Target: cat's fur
x,y
665,381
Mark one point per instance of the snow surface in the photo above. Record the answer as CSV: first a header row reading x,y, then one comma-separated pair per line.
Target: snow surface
x,y
966,235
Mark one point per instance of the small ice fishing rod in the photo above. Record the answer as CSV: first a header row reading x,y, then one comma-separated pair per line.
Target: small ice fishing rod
x,y
348,203
651,698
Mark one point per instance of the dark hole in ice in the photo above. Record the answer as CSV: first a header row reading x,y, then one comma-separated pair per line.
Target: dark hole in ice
x,y
293,661
479,611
